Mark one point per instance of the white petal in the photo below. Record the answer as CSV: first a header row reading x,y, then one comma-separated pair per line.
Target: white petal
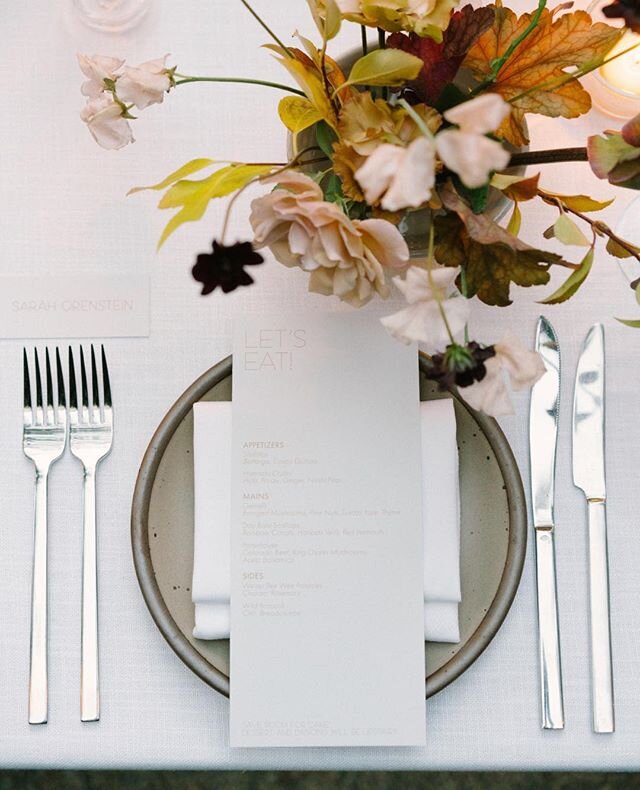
x,y
472,156
420,322
489,395
418,284
481,115
524,366
376,174
414,178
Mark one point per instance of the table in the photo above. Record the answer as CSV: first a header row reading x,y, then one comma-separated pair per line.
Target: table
x,y
63,209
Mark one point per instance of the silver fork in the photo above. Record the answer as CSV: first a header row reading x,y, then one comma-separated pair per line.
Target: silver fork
x,y
44,435
90,440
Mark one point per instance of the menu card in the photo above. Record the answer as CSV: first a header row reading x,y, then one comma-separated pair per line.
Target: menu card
x,y
327,623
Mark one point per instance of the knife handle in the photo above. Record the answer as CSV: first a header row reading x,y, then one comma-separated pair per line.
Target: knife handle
x,y
601,664
552,704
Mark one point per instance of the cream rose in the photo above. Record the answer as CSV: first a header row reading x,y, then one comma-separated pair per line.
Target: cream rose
x,y
346,258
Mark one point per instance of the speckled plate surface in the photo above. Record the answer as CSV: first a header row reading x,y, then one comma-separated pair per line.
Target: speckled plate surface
x,y
493,535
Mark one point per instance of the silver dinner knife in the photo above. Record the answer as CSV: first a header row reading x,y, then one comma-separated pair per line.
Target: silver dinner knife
x,y
543,434
589,475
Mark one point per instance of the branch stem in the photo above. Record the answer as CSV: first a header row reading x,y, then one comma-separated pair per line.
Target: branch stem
x,y
185,78
548,156
597,226
263,24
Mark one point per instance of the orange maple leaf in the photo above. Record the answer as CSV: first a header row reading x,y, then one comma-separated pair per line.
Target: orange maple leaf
x,y
532,78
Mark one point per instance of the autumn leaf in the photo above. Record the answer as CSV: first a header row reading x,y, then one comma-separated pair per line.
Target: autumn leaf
x,y
534,77
492,259
442,60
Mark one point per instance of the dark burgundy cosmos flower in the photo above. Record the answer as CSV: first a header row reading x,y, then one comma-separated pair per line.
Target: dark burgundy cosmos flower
x,y
224,267
629,10
460,365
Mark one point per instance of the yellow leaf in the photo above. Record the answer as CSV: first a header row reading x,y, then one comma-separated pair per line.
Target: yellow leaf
x,y
580,202
391,67
530,79
194,196
516,220
191,167
308,76
297,113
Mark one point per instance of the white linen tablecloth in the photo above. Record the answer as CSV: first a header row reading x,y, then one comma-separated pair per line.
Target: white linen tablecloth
x,y
63,209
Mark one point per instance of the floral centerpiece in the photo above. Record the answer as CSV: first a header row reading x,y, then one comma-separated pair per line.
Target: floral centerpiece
x,y
428,124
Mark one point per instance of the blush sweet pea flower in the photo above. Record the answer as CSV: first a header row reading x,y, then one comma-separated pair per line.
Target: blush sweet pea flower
x,y
97,68
145,84
104,120
397,177
466,150
512,361
429,294
346,258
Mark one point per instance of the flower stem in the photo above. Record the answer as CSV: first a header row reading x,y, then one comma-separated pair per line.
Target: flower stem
x,y
185,78
365,45
418,120
436,291
548,156
266,27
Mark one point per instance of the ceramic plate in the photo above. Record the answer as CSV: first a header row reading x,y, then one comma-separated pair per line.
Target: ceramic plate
x,y
493,535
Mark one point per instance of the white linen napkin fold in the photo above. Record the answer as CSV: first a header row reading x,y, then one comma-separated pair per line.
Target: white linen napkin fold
x,y
212,516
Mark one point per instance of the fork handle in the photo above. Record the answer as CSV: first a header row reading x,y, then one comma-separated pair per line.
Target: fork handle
x,y
89,681
38,685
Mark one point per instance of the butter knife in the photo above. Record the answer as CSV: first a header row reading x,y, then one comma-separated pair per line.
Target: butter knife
x,y
589,475
543,434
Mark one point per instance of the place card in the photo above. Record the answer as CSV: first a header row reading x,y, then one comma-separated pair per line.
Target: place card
x,y
327,623
79,305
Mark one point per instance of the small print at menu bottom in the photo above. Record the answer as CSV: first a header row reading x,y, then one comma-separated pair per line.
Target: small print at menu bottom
x,y
326,554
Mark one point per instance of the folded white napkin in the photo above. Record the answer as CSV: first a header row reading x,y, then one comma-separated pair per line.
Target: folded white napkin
x,y
212,539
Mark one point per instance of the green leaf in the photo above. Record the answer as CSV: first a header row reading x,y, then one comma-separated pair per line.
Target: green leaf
x,y
477,198
194,196
391,67
326,137
191,167
573,282
450,97
634,323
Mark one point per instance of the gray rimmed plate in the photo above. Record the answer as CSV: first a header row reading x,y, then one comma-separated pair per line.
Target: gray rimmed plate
x,y
493,535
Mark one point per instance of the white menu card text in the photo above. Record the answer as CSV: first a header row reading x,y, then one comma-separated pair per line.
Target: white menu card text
x,y
327,624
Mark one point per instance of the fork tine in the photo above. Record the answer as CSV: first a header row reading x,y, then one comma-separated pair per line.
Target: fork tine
x,y
62,398
39,407
28,411
94,385
105,380
73,390
49,379
85,388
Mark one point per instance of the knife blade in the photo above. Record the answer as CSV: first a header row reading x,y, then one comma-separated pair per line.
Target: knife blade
x,y
543,435
589,475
